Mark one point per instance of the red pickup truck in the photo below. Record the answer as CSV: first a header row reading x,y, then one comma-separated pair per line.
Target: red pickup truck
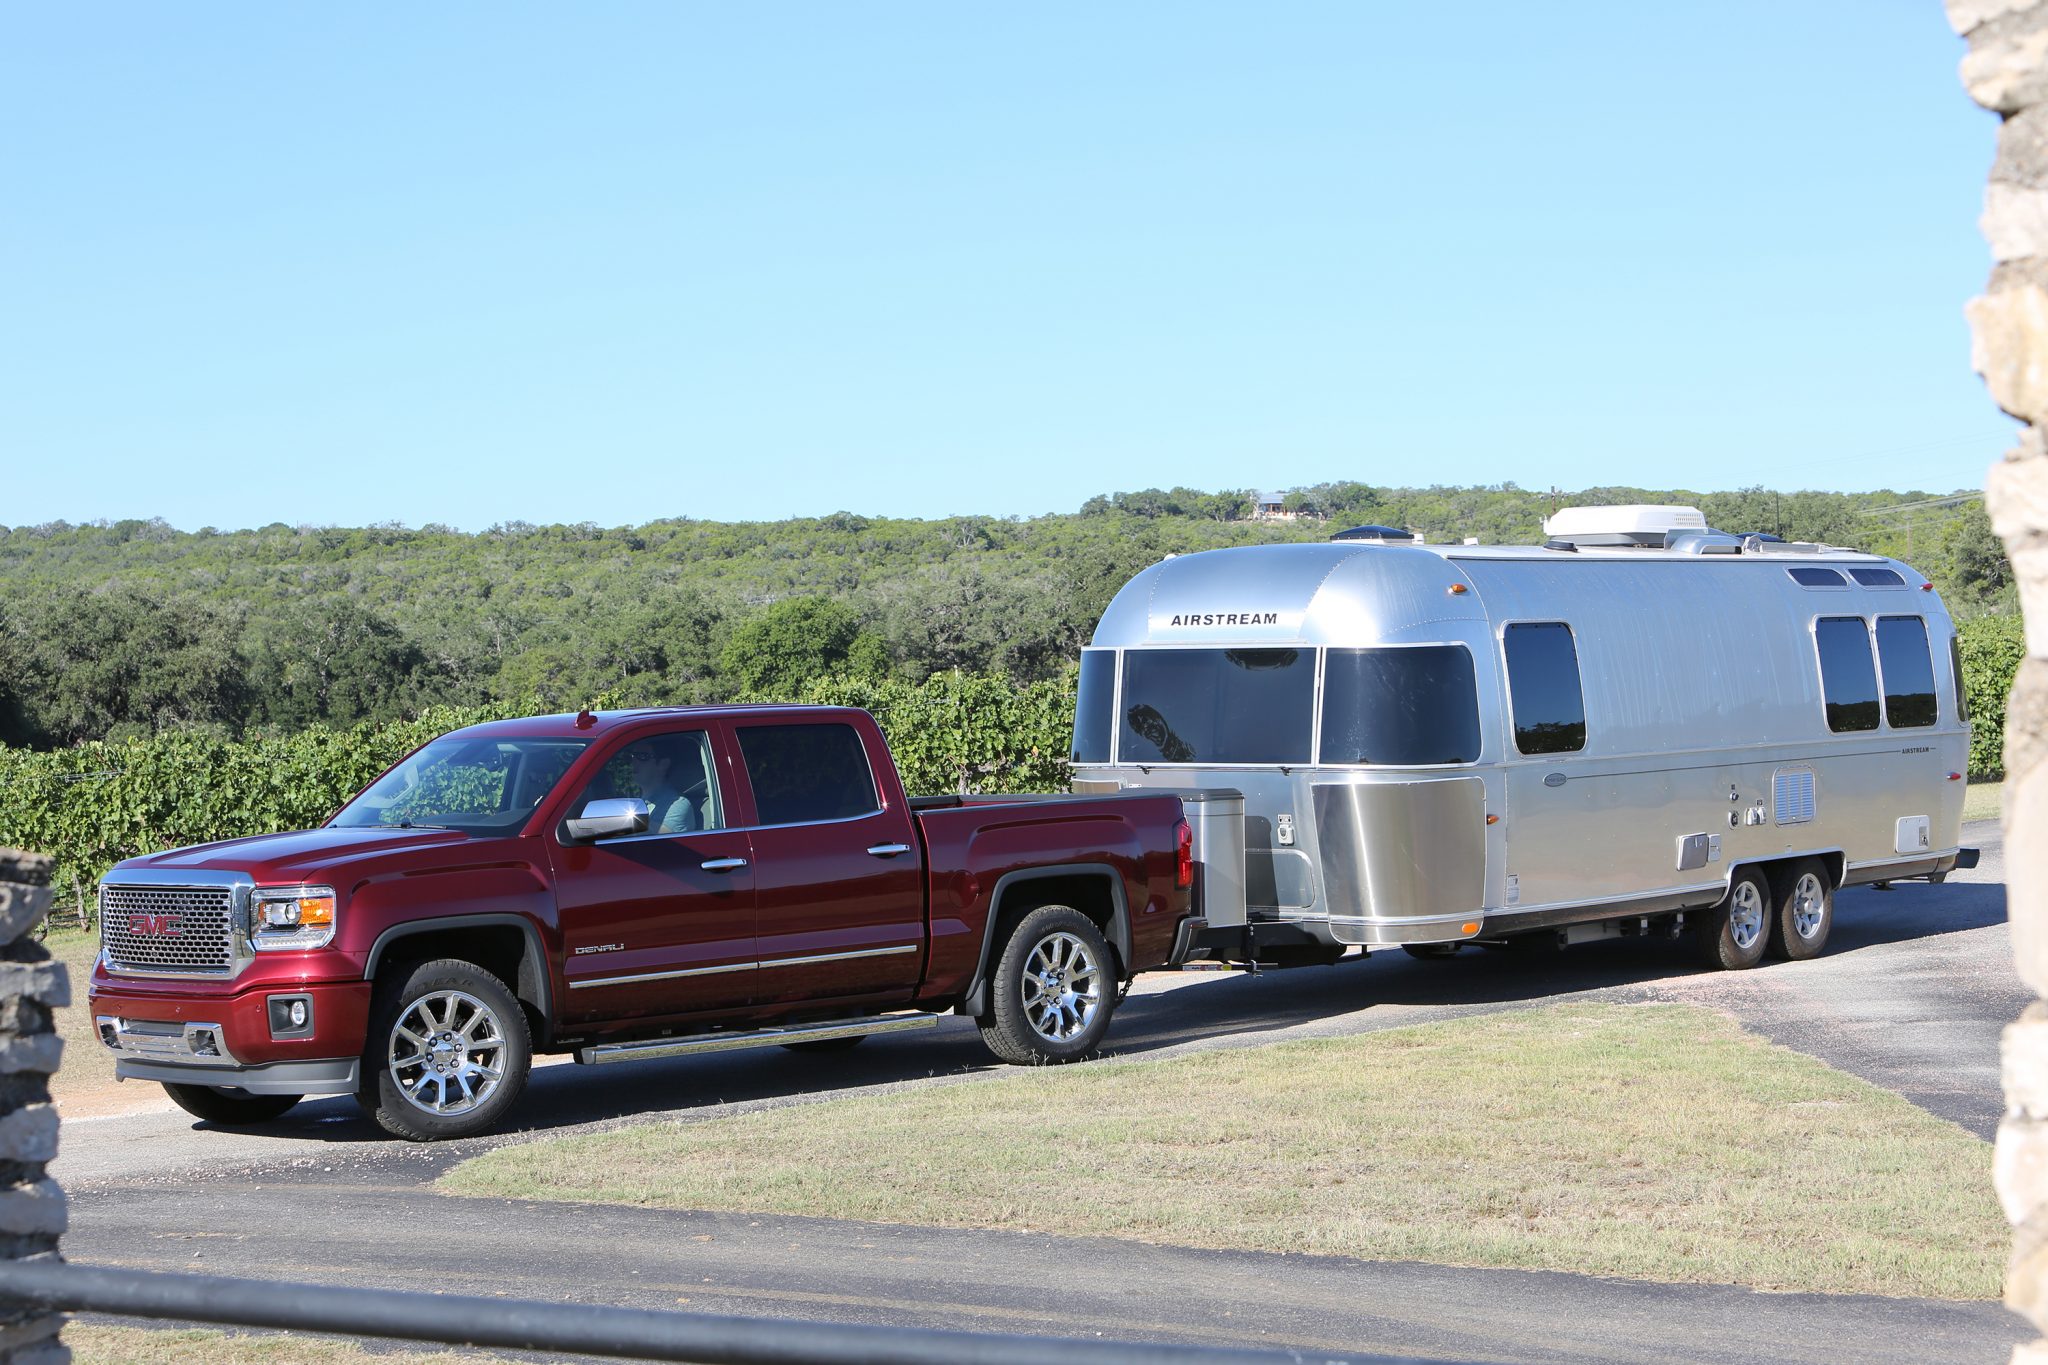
x,y
625,885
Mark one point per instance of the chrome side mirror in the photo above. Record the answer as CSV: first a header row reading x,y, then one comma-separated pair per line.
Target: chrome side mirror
x,y
613,815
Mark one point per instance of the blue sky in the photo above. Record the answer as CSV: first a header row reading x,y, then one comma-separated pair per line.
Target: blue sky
x,y
472,263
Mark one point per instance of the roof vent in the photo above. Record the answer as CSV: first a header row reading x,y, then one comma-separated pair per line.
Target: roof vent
x,y
1704,543
1636,525
1385,535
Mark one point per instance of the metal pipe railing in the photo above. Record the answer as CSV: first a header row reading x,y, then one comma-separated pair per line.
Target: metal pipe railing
x,y
632,1333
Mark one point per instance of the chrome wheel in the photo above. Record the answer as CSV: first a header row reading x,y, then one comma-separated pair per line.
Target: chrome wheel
x,y
1062,987
1809,905
1745,915
447,1053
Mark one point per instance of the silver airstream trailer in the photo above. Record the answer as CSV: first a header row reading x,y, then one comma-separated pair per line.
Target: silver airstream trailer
x,y
1641,726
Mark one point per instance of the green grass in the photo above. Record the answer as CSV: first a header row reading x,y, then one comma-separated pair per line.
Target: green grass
x,y
97,1345
1984,801
1653,1142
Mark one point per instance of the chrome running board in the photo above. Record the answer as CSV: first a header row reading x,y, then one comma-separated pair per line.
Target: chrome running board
x,y
767,1037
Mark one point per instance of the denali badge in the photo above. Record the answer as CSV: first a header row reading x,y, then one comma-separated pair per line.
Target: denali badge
x,y
600,948
162,926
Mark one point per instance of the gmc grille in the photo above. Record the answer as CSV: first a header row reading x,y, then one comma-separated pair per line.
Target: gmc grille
x,y
169,929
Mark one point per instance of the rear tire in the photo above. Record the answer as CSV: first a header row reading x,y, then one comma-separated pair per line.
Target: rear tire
x,y
1734,934
1054,989
1803,899
448,1052
228,1107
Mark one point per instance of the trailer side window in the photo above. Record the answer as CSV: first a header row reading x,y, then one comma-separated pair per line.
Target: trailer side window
x,y
1092,707
1543,688
1955,670
1848,678
1878,578
1403,707
1217,706
1908,671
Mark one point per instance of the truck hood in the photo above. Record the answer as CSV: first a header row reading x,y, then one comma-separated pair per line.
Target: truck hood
x,y
307,855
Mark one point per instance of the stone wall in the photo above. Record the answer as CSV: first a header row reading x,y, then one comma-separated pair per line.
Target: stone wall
x,y
31,1205
2006,71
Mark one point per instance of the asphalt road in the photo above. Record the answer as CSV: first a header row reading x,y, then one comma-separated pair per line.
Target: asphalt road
x,y
1911,996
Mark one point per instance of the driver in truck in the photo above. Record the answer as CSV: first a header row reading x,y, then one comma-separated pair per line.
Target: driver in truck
x,y
673,810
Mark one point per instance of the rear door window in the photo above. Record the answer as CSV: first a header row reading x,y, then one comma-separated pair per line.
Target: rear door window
x,y
1908,671
1408,707
1217,706
1848,677
805,773
1543,687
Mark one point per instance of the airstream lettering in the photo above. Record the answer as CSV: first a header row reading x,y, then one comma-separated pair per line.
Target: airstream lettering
x,y
1642,726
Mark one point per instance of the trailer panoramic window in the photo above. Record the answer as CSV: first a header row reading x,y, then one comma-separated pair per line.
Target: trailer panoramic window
x,y
1092,707
1543,688
1848,678
1908,671
1810,577
1402,707
1878,578
1217,706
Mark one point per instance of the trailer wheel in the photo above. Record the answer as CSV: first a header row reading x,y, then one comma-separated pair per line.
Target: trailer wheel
x,y
448,1052
227,1106
1804,902
1053,990
1734,934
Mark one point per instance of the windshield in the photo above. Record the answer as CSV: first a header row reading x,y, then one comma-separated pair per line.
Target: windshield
x,y
479,786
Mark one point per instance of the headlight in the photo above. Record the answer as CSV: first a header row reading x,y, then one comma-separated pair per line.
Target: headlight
x,y
293,917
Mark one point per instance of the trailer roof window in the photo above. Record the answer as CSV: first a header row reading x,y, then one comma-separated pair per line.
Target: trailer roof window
x,y
1405,707
1093,707
1807,576
1908,671
1848,678
1878,578
1543,687
1217,706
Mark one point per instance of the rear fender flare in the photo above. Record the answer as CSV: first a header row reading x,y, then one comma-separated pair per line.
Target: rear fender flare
x,y
1118,930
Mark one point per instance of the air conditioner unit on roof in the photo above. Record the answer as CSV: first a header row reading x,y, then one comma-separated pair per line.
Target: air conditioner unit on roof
x,y
1634,524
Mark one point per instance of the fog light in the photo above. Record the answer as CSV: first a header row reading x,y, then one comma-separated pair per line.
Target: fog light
x,y
291,1016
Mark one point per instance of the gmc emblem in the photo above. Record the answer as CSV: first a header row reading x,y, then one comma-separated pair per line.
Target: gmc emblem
x,y
162,926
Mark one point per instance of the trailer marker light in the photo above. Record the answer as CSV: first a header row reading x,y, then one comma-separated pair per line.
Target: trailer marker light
x,y
1468,928
1927,587
1955,777
1493,819
1458,589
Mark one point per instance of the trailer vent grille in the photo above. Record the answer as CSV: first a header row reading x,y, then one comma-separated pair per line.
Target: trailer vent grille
x,y
1792,795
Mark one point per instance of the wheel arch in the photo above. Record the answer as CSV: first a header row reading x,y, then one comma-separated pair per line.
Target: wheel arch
x,y
1094,889
507,946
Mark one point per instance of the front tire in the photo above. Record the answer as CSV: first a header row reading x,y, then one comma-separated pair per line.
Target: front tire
x,y
1054,990
1736,932
228,1107
1804,902
448,1052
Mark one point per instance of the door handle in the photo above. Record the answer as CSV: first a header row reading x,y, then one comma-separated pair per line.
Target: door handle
x,y
723,864
889,850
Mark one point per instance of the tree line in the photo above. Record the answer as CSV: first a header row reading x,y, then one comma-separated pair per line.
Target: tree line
x,y
128,629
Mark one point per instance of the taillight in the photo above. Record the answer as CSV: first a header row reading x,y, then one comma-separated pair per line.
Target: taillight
x,y
1184,855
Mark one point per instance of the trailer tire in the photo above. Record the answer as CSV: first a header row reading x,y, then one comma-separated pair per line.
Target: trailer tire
x,y
451,1025
1734,934
1803,898
1053,990
227,1106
